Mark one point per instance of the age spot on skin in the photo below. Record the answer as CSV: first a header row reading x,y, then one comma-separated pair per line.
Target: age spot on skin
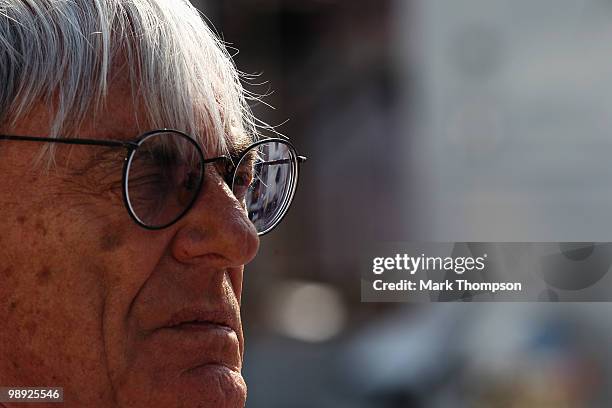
x,y
7,272
110,241
21,219
12,306
44,275
40,227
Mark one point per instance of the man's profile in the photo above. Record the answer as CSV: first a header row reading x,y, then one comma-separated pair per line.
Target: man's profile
x,y
134,188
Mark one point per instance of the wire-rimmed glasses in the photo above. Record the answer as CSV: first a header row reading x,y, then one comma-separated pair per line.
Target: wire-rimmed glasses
x,y
164,171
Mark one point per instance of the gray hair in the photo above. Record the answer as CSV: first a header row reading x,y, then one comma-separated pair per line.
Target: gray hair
x,y
62,52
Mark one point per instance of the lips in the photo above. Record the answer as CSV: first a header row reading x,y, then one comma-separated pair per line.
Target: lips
x,y
201,338
197,316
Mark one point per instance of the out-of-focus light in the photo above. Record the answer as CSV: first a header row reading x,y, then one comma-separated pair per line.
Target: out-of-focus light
x,y
307,311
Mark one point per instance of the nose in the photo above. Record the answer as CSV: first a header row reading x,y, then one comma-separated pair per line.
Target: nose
x,y
216,229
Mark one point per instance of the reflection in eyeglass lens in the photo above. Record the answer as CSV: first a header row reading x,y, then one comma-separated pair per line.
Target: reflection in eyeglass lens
x,y
270,189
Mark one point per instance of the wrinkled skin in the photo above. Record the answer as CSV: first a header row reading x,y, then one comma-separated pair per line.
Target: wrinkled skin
x,y
88,296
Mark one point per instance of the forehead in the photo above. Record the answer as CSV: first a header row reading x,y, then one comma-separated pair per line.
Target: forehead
x,y
123,117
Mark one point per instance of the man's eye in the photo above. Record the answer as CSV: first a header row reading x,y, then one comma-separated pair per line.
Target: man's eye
x,y
243,179
242,182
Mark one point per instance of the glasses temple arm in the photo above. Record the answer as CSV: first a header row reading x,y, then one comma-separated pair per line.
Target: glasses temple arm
x,y
77,141
301,159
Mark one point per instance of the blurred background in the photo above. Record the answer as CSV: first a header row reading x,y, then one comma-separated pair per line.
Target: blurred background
x,y
426,120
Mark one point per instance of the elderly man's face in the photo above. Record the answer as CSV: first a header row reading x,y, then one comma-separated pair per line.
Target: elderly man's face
x,y
116,314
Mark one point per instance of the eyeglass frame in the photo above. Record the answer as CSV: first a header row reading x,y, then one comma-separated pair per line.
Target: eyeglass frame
x,y
133,145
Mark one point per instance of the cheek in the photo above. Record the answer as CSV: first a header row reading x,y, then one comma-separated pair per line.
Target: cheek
x,y
52,333
66,284
53,302
130,255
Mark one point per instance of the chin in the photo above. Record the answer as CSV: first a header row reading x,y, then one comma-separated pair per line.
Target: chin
x,y
214,386
205,386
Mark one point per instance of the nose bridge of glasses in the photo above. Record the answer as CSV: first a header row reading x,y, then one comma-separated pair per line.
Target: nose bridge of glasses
x,y
216,197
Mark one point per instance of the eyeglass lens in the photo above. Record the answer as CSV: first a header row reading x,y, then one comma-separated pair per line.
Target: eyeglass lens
x,y
266,178
163,178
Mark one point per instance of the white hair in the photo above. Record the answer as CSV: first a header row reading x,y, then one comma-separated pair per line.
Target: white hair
x,y
62,52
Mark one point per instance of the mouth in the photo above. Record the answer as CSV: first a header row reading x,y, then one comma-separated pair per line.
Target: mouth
x,y
201,325
203,339
196,318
